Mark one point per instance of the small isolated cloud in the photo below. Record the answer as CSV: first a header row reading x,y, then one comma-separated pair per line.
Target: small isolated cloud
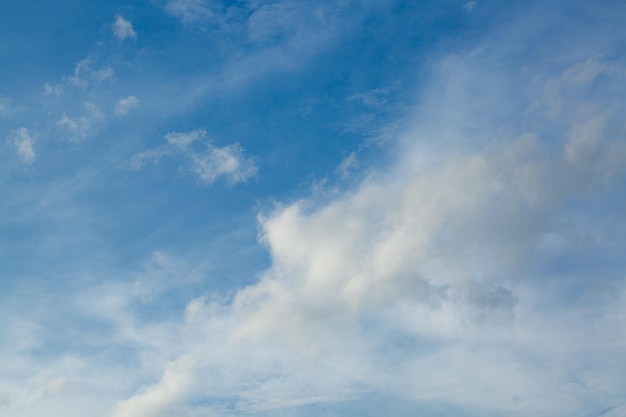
x,y
123,29
206,161
190,11
228,161
23,141
52,89
6,107
79,128
372,98
125,105
469,6
184,139
86,72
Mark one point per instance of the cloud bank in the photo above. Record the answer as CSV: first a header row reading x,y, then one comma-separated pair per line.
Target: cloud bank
x,y
448,279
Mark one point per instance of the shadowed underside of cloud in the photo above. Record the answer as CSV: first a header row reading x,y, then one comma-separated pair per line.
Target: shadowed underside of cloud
x,y
444,279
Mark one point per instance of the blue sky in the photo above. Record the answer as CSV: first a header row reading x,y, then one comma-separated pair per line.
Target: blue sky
x,y
330,208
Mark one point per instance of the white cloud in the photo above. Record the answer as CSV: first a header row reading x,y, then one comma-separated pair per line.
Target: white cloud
x,y
206,161
24,142
470,5
138,160
81,127
191,11
183,139
125,105
6,107
52,89
123,29
86,74
427,283
228,161
347,164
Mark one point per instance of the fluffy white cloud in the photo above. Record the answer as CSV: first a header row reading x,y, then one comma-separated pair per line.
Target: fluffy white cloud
x,y
24,142
123,29
432,282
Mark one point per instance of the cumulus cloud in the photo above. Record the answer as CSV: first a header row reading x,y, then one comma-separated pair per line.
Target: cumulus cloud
x,y
24,142
432,282
125,105
206,161
123,29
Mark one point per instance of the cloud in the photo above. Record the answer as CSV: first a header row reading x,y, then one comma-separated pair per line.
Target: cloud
x,y
24,142
434,281
206,161
123,29
6,107
125,105
86,73
191,11
52,89
79,128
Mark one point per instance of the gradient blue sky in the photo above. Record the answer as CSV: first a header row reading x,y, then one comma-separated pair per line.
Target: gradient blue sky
x,y
327,208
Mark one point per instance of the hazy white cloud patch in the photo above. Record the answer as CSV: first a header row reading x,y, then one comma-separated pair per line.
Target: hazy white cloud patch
x,y
6,107
469,5
182,140
24,142
347,165
87,72
206,161
373,98
153,156
123,29
52,89
81,127
191,11
126,105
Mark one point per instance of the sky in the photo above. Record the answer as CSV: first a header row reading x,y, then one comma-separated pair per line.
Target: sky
x,y
343,208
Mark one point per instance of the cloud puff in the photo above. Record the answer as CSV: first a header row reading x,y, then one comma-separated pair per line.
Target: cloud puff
x,y
191,11
81,127
206,161
123,29
6,107
125,105
87,73
24,142
433,282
